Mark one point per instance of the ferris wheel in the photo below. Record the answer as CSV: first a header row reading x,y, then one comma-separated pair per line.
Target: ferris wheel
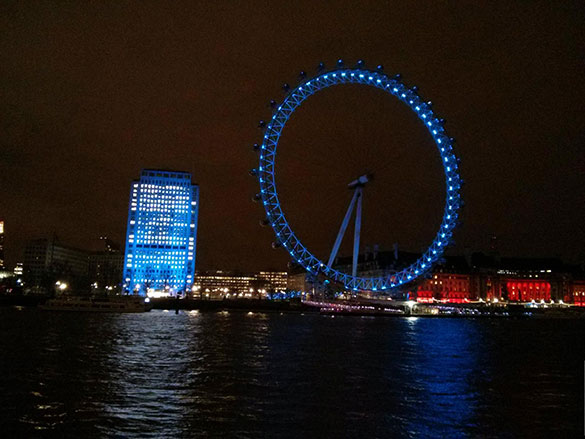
x,y
268,195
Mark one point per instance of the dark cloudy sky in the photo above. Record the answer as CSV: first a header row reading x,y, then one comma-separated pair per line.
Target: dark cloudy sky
x,y
92,92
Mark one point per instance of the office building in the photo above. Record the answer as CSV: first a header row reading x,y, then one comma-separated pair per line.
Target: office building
x,y
220,284
106,268
46,260
161,233
273,281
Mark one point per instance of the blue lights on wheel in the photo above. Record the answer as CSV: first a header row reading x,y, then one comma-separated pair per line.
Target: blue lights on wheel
x,y
266,175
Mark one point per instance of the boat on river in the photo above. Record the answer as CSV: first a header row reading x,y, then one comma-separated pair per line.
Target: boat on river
x,y
97,304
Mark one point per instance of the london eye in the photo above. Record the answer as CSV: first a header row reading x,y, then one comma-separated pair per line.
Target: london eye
x,y
358,185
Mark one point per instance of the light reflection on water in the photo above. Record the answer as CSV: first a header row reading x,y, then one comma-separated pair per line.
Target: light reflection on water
x,y
198,374
445,362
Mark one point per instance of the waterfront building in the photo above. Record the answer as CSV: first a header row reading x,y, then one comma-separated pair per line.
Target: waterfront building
x,y
106,268
477,276
275,281
297,280
46,261
528,279
468,278
444,287
578,293
220,284
450,282
526,290
105,271
161,233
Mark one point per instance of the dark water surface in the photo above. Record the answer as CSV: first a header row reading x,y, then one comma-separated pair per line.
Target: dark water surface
x,y
235,374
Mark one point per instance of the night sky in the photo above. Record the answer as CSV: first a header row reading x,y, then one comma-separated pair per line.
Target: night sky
x,y
91,93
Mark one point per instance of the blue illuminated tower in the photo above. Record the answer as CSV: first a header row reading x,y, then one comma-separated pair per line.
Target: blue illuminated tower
x,y
162,233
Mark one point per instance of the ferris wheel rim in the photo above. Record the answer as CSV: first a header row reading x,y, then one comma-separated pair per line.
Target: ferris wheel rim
x,y
268,195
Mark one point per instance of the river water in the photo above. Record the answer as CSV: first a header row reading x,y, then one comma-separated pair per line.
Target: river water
x,y
238,374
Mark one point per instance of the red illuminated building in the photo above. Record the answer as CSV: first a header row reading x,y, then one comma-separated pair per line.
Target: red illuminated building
x,y
526,290
477,276
490,278
451,282
578,293
444,287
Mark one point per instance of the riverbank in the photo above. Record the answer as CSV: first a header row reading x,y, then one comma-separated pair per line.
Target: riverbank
x,y
33,300
345,308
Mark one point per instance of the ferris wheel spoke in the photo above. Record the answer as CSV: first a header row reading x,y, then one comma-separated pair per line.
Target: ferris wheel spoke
x,y
356,232
342,229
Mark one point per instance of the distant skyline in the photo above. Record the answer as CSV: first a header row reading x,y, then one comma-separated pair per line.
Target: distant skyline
x,y
92,93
